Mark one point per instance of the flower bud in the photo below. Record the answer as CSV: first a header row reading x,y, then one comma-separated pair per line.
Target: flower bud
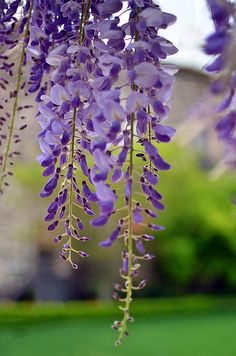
x,y
115,296
142,284
148,257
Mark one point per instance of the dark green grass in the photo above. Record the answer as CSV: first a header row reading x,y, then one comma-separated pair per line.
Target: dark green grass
x,y
181,331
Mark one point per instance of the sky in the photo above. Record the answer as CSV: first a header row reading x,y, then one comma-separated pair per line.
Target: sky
x,y
188,33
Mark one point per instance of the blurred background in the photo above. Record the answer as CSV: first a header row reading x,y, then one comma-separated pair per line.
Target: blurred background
x,y
189,304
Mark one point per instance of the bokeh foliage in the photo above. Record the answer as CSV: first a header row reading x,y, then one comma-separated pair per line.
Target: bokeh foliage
x,y
197,250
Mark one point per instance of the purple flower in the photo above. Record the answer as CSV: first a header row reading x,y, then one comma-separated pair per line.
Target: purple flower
x,y
108,242
217,42
226,127
109,7
53,226
125,265
59,94
106,206
79,224
102,93
220,11
157,204
99,221
146,237
144,75
142,122
113,111
52,183
128,188
221,44
150,177
53,206
137,215
151,213
150,149
153,17
136,101
117,175
156,227
159,163
104,193
140,247
154,193
163,133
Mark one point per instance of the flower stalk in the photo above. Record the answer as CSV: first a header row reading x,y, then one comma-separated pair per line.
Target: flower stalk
x,y
72,152
129,244
15,103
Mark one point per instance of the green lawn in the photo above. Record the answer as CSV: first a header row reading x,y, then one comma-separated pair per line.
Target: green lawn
x,y
171,333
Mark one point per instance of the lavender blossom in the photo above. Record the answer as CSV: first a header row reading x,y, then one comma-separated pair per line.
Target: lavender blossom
x,y
84,115
92,126
221,44
7,25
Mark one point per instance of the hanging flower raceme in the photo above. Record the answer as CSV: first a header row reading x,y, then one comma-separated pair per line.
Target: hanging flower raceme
x,y
126,122
221,44
14,36
27,32
103,92
64,140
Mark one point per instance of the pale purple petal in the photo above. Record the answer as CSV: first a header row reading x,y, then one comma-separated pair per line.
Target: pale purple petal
x,y
99,221
104,193
140,247
58,94
109,7
152,16
136,101
146,75
150,149
117,175
137,216
113,111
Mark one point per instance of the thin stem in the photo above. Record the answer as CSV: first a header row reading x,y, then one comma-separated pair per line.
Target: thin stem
x,y
115,149
149,136
129,242
81,20
72,148
84,19
14,109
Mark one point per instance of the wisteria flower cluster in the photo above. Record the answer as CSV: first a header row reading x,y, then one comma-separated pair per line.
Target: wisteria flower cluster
x,y
221,44
95,70
102,92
